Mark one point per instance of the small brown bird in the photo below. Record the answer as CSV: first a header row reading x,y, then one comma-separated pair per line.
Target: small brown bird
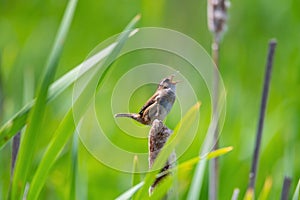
x,y
158,106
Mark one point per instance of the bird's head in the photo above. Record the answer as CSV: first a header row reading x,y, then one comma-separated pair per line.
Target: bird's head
x,y
167,83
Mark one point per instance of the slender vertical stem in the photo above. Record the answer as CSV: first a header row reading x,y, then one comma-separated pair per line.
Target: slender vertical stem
x,y
217,18
253,172
214,163
286,188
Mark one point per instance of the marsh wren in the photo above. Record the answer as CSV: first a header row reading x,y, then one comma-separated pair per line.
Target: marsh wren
x,y
158,106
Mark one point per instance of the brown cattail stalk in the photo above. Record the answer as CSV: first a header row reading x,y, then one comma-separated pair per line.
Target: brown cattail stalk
x,y
158,136
217,18
263,106
286,188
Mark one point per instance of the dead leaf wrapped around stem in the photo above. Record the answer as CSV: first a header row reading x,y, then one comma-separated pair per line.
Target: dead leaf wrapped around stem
x,y
158,136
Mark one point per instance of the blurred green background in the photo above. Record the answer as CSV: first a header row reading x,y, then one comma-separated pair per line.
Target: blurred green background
x,y
27,31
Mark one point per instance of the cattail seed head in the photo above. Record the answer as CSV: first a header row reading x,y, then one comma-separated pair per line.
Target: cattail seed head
x,y
217,16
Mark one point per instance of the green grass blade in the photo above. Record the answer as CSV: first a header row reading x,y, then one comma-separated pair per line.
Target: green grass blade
x,y
196,185
56,144
61,137
197,181
296,193
218,152
12,126
189,164
74,167
179,132
64,131
163,188
249,194
129,193
82,176
19,119
28,88
115,52
136,177
264,194
29,141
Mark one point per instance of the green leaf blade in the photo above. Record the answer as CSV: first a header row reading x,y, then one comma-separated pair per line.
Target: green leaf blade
x,y
297,191
63,133
74,167
264,194
219,152
136,177
34,127
56,145
18,121
129,193
187,165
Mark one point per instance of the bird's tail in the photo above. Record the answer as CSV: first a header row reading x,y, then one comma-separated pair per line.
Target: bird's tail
x,y
134,116
130,115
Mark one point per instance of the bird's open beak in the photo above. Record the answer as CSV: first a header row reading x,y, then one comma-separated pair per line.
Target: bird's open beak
x,y
171,78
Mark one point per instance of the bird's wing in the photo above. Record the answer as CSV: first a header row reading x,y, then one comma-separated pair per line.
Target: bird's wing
x,y
151,101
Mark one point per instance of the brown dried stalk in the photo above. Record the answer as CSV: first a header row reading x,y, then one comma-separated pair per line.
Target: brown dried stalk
x,y
263,106
217,18
158,136
286,188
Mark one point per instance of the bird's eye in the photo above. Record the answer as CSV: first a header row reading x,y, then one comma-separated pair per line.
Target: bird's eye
x,y
165,86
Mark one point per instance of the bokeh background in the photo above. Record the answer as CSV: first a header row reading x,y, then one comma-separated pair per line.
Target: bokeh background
x,y
27,31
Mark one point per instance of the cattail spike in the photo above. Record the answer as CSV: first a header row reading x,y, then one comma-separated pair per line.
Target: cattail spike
x,y
217,16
